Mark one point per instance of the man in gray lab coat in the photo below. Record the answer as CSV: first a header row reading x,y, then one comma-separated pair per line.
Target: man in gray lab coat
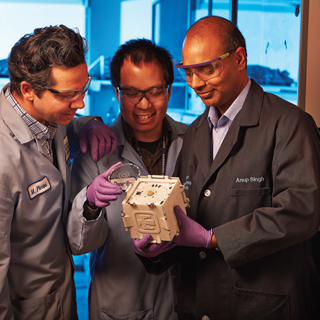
x,y
49,79
142,75
251,167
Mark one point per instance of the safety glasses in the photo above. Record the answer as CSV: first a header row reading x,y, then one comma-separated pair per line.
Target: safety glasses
x,y
205,70
70,95
135,96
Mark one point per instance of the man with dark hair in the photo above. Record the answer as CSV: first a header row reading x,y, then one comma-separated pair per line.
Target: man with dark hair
x,y
49,79
33,56
142,76
251,167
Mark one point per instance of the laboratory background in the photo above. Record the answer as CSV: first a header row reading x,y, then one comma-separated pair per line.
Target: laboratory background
x,y
282,44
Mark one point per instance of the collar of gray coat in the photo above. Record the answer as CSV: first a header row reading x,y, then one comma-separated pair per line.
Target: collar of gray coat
x,y
250,113
19,129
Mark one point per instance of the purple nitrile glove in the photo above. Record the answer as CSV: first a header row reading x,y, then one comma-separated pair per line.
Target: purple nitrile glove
x,y
100,192
100,137
192,234
143,248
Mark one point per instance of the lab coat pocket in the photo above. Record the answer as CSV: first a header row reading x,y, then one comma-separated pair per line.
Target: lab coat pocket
x,y
137,315
244,201
47,307
261,305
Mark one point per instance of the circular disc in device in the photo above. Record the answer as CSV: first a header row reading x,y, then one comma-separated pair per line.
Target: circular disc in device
x,y
124,175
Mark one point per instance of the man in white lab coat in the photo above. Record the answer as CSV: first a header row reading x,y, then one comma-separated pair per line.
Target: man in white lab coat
x,y
142,75
48,81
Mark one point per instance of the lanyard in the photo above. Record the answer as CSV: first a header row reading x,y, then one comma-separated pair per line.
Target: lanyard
x,y
163,154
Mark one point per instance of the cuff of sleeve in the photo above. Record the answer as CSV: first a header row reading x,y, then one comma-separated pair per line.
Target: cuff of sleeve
x,y
90,213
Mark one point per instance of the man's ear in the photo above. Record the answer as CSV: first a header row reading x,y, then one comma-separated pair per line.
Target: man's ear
x,y
27,91
241,58
116,92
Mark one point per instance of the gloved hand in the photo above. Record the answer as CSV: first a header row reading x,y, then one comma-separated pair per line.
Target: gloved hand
x,y
100,137
143,248
192,234
100,192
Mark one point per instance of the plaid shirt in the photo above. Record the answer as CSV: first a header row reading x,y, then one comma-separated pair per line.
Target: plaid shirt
x,y
152,161
44,134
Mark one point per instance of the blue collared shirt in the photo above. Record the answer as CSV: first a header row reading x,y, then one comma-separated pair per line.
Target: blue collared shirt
x,y
220,127
44,134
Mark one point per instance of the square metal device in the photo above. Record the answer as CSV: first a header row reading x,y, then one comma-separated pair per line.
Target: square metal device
x,y
148,207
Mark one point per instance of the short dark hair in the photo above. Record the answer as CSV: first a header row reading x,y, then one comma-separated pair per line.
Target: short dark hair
x,y
33,56
141,50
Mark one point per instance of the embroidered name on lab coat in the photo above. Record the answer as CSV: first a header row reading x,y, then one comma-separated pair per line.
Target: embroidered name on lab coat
x,y
39,187
251,179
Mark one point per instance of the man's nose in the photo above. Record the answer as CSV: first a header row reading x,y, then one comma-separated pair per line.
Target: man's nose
x,y
78,103
196,81
144,103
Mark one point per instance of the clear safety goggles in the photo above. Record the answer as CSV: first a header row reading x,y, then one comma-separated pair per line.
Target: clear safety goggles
x,y
135,96
70,95
205,70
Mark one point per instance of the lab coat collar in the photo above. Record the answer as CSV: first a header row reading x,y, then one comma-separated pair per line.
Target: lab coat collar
x,y
131,155
248,116
13,121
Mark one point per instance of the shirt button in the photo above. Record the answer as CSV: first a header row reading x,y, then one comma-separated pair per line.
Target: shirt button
x,y
207,193
205,318
202,255
173,272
